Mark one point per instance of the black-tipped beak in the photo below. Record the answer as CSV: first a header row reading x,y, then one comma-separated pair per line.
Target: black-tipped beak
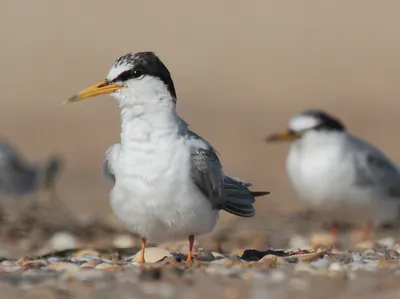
x,y
102,87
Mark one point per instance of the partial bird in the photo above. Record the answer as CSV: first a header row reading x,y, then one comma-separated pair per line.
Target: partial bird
x,y
19,177
168,182
339,176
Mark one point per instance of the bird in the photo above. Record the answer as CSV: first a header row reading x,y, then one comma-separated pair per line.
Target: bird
x,y
20,178
338,176
168,182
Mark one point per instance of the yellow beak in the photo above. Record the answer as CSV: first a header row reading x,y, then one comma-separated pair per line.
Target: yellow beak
x,y
282,136
102,87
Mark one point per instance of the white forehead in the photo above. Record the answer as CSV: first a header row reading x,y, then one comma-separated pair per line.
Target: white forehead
x,y
117,69
302,122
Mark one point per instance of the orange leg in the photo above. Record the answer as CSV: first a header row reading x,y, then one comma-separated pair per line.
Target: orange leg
x,y
367,231
335,229
144,241
190,255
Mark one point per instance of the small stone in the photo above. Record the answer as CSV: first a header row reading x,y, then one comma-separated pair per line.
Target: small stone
x,y
322,240
336,267
369,253
205,255
151,255
309,257
23,260
218,255
320,264
123,241
365,245
299,242
393,254
8,263
35,264
85,253
90,264
104,266
68,267
357,257
62,241
388,242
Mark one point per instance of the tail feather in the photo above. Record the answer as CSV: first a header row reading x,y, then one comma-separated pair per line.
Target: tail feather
x,y
239,197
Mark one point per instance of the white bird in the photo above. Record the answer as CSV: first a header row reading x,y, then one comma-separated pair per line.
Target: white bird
x,y
168,182
339,176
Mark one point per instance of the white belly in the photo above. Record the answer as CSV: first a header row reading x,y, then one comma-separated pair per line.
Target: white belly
x,y
155,197
324,181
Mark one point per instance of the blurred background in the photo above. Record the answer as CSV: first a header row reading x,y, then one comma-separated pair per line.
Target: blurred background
x,y
241,69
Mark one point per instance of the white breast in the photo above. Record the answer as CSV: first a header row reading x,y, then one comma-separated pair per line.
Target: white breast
x,y
154,194
322,171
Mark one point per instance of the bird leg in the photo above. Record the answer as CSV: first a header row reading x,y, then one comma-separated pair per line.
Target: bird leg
x,y
190,255
144,241
335,229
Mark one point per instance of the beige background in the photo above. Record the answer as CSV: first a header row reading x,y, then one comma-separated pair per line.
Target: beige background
x,y
241,69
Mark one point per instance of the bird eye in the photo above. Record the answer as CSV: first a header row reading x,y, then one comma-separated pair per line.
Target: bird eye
x,y
137,73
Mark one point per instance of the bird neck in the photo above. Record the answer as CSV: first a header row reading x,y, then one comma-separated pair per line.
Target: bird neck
x,y
150,122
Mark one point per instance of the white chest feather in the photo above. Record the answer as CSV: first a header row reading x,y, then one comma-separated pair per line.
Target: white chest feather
x,y
154,194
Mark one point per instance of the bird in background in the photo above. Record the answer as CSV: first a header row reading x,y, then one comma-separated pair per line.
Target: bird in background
x,y
19,177
168,181
338,175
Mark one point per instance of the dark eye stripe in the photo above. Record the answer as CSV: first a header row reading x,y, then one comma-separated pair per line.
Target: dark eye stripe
x,y
129,74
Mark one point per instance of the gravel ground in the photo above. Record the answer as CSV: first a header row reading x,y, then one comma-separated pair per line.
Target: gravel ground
x,y
371,271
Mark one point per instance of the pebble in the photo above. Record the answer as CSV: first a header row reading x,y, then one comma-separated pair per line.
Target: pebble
x,y
86,253
90,264
105,266
151,255
62,266
322,240
299,242
205,255
387,242
357,257
123,241
320,264
62,241
8,263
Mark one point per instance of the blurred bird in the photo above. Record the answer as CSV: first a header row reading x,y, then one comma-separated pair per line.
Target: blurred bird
x,y
339,176
19,178
168,181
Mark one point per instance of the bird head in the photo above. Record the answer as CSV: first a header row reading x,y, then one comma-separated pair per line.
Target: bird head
x,y
306,122
134,79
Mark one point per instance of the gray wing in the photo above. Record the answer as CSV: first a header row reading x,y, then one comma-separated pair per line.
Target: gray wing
x,y
375,170
108,164
224,192
207,174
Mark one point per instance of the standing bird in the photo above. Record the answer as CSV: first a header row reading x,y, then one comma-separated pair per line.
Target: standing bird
x,y
339,176
168,181
19,178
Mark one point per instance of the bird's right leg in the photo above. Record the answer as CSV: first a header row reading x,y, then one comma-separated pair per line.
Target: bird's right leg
x,y
335,229
144,241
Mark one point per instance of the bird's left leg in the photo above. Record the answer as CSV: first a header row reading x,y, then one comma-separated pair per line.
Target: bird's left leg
x,y
144,242
190,255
